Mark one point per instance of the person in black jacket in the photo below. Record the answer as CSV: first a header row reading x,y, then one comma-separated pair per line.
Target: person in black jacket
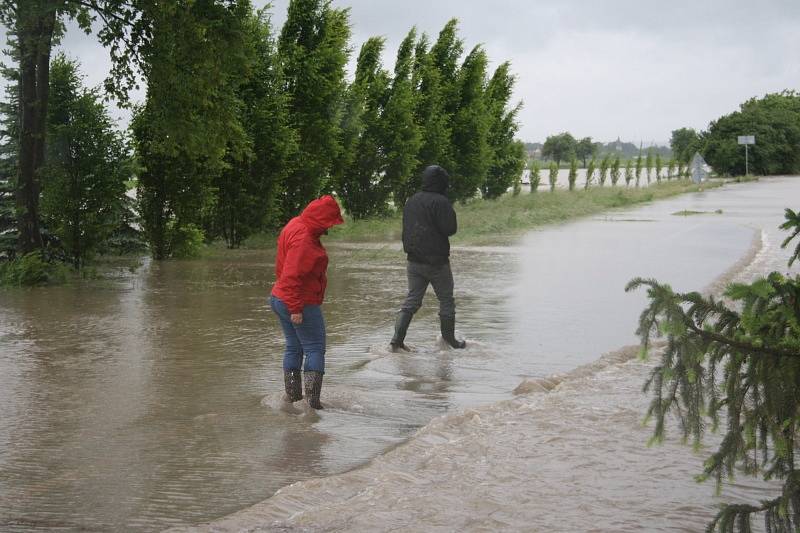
x,y
428,222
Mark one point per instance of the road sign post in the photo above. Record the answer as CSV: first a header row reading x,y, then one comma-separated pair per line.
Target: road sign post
x,y
746,140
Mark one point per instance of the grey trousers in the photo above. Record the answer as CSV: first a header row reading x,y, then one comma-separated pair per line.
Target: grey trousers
x,y
441,277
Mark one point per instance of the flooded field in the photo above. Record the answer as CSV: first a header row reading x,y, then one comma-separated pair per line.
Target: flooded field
x,y
153,401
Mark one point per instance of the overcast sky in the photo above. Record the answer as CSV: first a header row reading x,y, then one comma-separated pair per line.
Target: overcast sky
x,y
600,68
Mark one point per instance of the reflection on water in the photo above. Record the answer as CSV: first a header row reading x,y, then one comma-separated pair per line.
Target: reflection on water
x,y
153,401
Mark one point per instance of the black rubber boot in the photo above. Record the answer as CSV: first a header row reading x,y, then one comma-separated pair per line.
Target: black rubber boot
x,y
313,386
294,385
400,329
448,325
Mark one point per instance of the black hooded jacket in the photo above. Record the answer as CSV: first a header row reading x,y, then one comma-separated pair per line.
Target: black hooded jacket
x,y
429,219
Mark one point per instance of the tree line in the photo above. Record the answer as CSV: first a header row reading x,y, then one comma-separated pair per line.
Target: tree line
x,y
241,126
774,120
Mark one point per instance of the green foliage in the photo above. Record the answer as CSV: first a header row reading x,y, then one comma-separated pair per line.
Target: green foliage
x,y
189,130
360,182
775,122
186,241
30,270
615,170
535,176
86,167
429,114
313,51
573,174
9,146
628,172
638,169
507,155
122,26
402,135
585,149
671,168
590,172
553,176
471,150
559,147
605,163
649,164
249,188
658,166
684,143
741,361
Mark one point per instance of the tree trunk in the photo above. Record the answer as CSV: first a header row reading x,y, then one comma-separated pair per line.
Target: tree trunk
x,y
35,26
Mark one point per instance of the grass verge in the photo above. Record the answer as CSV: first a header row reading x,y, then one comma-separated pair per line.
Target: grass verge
x,y
483,222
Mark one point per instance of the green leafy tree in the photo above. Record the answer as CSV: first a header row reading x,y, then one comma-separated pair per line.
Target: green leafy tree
x,y
584,149
430,115
9,148
122,26
402,135
605,164
775,122
590,172
733,365
189,128
615,170
535,175
684,143
628,172
471,150
445,55
313,51
249,188
507,154
638,169
361,184
671,167
559,147
649,164
86,166
572,177
553,176
658,166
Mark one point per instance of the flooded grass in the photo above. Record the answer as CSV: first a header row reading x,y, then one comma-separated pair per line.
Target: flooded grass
x,y
689,212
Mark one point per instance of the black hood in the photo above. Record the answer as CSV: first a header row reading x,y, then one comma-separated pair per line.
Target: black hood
x,y
435,179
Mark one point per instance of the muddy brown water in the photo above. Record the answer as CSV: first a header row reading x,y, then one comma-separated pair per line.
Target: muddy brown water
x,y
153,400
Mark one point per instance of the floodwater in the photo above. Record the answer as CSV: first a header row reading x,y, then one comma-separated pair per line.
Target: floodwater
x,y
153,400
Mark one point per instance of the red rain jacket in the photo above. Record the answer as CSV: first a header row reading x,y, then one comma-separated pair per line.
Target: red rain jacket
x,y
301,262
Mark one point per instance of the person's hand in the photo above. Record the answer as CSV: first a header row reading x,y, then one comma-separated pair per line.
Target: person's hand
x,y
297,318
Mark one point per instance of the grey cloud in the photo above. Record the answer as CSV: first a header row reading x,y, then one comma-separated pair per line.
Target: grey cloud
x,y
633,68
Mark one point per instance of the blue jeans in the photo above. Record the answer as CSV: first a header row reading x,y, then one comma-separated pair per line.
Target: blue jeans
x,y
306,339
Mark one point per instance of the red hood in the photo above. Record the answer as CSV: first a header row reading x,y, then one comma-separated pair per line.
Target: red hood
x,y
322,214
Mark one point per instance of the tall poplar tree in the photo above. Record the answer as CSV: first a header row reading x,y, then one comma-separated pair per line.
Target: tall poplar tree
x,y
507,154
402,135
249,190
200,55
430,115
361,182
313,50
471,150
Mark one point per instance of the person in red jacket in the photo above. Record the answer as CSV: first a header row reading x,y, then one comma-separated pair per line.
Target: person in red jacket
x,y
300,273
